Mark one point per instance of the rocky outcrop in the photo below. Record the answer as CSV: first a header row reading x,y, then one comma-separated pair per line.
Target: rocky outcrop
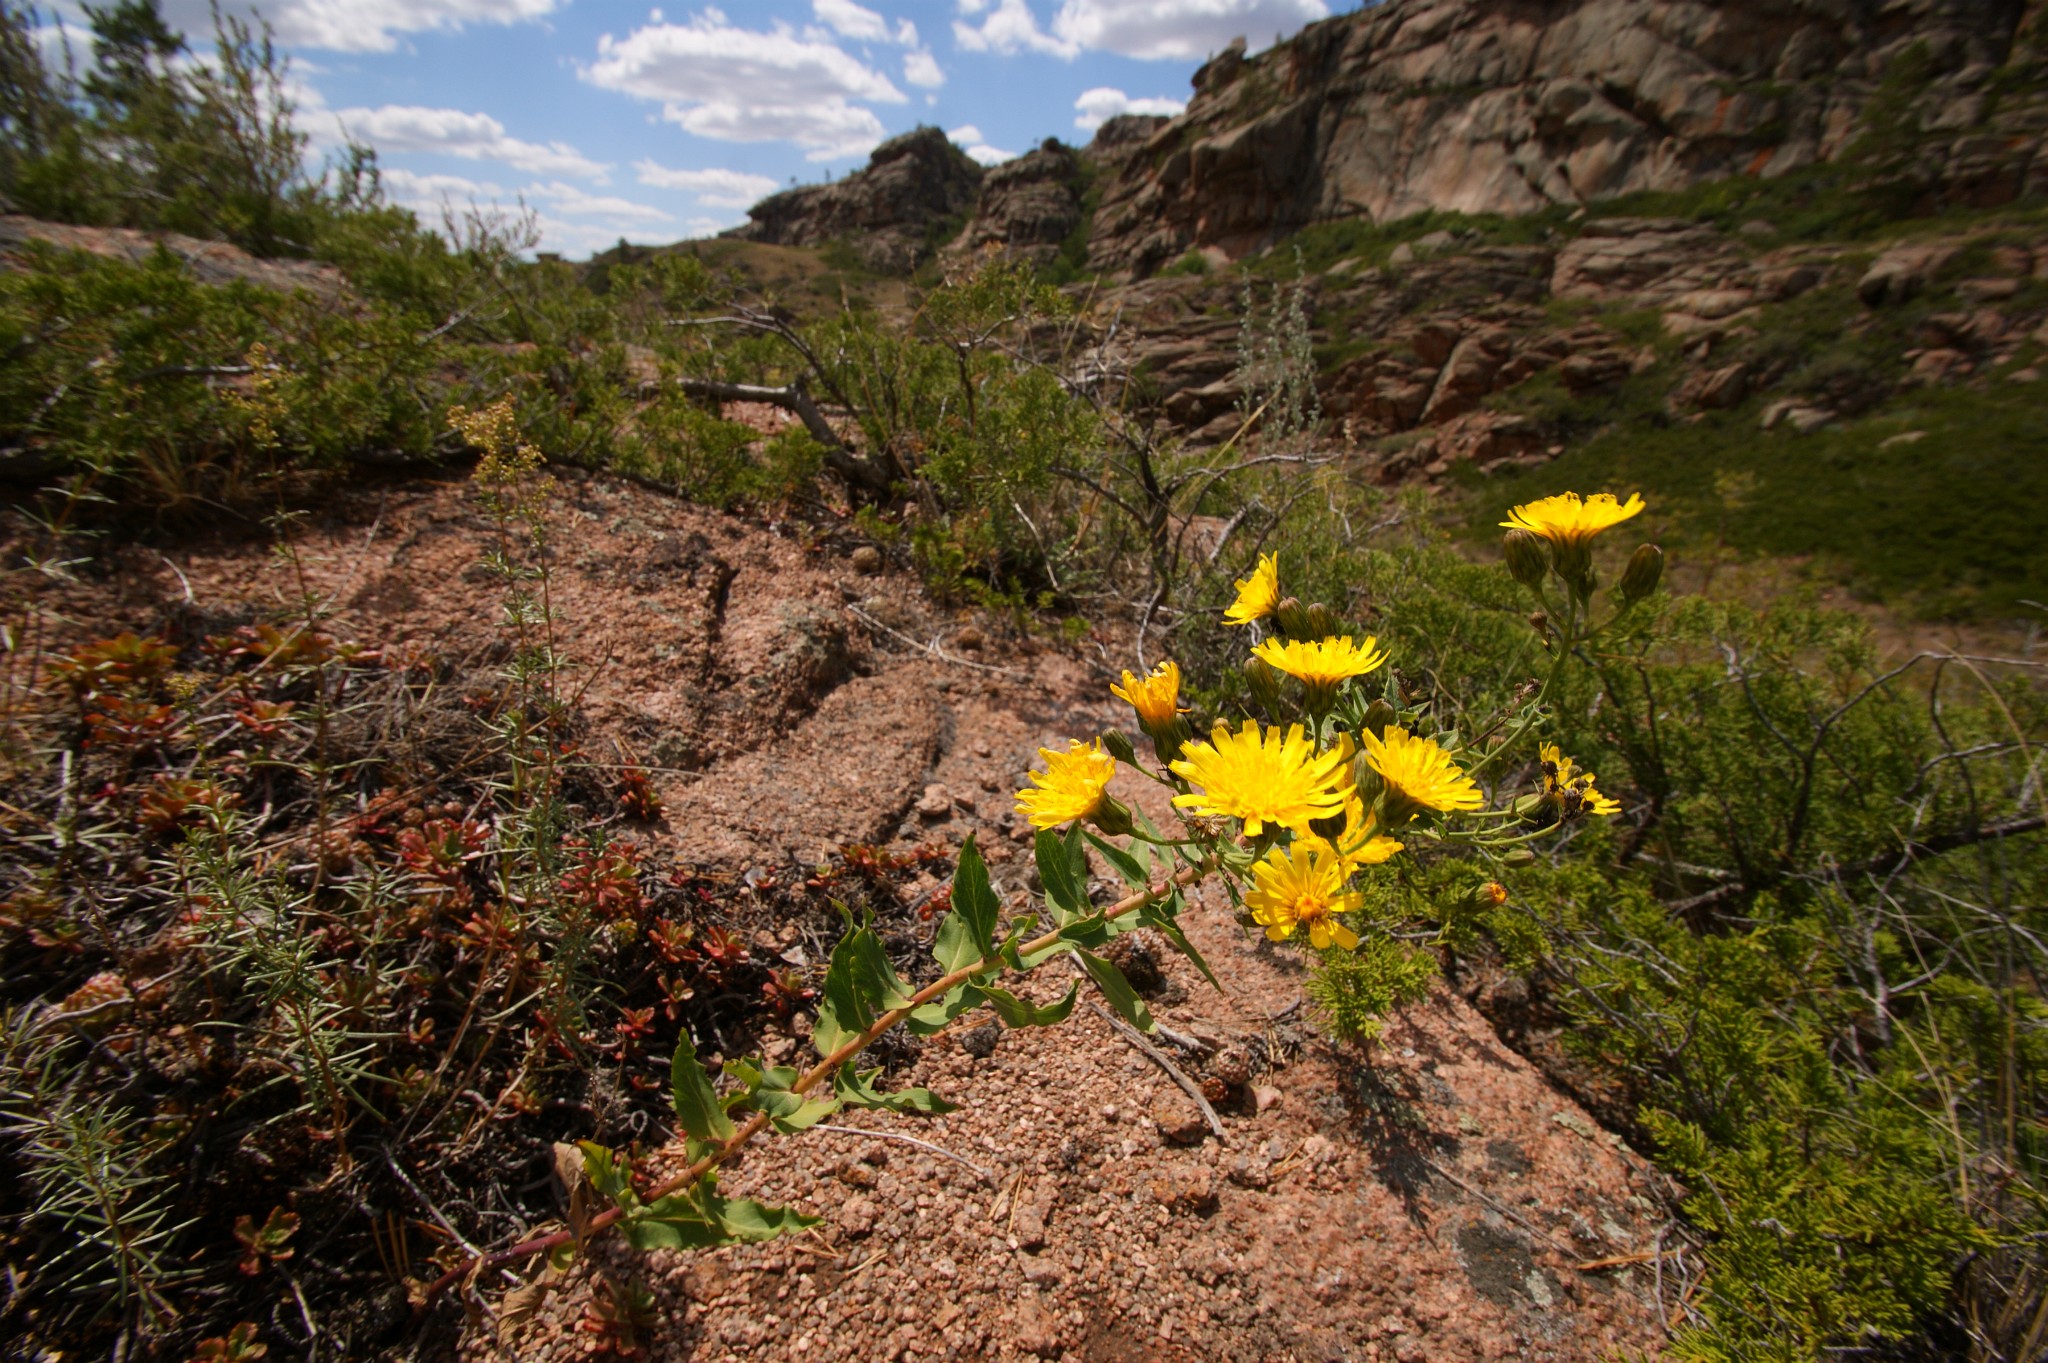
x,y
1028,207
891,214
1509,106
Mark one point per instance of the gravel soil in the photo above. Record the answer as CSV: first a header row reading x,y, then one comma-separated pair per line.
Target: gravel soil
x,y
1432,1198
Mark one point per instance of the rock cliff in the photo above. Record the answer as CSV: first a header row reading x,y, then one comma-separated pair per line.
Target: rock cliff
x,y
1028,207
1509,106
892,213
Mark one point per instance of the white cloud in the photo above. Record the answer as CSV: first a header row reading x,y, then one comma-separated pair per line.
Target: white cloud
x,y
1096,107
906,33
970,140
1012,28
430,192
1180,30
849,20
358,25
714,188
452,132
748,85
604,207
922,69
1177,30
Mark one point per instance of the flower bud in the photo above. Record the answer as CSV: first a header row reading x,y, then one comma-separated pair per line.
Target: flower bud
x,y
1574,564
1321,622
1645,569
1378,716
1265,686
1293,618
1112,816
1168,739
1117,744
1526,560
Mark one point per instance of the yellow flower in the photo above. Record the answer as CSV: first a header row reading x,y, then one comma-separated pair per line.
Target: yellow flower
x,y
1359,843
1273,778
1070,787
1257,595
1323,663
1565,520
1570,787
1303,884
1156,698
1419,775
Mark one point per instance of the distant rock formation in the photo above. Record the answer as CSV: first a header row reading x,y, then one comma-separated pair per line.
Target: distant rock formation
x,y
1508,106
1028,207
889,213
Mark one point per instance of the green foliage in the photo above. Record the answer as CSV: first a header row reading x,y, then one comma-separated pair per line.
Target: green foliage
x,y
1356,989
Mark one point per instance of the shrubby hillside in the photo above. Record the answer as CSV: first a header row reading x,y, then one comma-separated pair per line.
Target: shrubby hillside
x,y
458,706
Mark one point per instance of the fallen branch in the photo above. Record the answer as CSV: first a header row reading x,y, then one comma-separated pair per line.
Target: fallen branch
x,y
1158,1057
985,1175
793,399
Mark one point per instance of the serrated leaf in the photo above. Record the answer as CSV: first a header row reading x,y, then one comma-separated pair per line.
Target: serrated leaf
x,y
1066,884
932,1016
698,1110
1136,873
1017,1012
1117,990
967,933
858,1090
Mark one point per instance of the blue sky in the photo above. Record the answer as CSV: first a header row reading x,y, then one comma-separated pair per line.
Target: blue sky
x,y
613,120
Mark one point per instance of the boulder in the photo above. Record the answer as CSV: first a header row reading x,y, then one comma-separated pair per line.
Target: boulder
x,y
1901,272
886,212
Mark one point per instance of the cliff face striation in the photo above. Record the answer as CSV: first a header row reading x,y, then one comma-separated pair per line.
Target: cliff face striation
x,y
1509,106
890,212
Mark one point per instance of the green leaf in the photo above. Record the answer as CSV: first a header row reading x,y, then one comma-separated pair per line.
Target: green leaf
x,y
789,1112
1163,918
967,933
1117,990
858,1090
700,1219
607,1173
698,1110
881,988
1066,882
1135,869
932,1016
1016,1012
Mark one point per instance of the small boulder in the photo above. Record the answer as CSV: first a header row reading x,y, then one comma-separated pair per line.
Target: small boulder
x,y
866,560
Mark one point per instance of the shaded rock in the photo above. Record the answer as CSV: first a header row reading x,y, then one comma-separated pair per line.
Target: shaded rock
x,y
886,212
1027,207
1902,272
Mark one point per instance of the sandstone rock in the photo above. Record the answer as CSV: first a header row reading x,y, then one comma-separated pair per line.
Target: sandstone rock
x,y
1939,365
1178,1120
884,212
935,803
1803,419
866,559
1594,371
1988,290
1721,388
1902,272
1027,207
1787,281
1475,106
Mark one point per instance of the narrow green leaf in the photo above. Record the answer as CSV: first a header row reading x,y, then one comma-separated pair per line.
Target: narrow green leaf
x,y
967,933
1117,990
1163,918
875,976
858,1090
607,1172
1017,1012
1065,891
928,1019
1136,873
698,1110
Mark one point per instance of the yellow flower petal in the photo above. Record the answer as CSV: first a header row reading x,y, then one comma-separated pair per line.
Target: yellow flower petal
x,y
1262,778
1257,595
1070,787
1565,519
1156,697
1419,772
1324,662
